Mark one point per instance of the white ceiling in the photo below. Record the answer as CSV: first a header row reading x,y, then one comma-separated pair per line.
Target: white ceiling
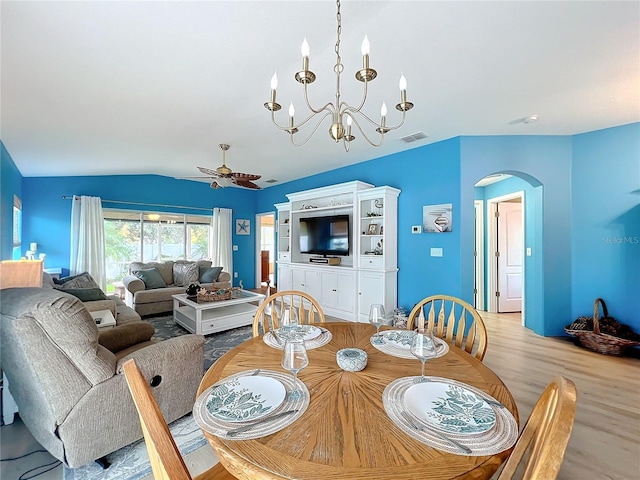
x,y
146,87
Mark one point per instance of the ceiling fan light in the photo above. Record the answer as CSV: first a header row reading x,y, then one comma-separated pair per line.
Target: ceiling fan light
x,y
224,182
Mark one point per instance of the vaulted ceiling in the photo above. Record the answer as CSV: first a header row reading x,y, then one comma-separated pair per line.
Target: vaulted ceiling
x,y
146,87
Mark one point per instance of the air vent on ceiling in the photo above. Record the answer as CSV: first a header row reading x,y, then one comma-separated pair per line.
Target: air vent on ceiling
x,y
413,137
273,180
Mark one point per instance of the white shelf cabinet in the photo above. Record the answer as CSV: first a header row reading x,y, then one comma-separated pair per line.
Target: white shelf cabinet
x,y
368,274
378,228
283,231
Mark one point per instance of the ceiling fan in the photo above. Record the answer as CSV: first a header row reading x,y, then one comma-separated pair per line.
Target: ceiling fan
x,y
223,176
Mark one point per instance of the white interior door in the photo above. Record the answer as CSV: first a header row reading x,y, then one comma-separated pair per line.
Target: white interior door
x,y
510,256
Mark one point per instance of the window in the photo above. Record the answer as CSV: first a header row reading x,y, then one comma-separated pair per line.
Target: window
x,y
17,228
152,237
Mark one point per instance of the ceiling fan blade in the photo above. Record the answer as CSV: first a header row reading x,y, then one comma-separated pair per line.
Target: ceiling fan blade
x,y
188,178
246,184
245,176
208,171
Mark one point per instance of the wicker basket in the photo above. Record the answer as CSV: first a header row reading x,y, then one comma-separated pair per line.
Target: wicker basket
x,y
214,296
595,340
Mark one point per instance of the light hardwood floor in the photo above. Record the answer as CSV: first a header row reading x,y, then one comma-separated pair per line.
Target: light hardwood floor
x,y
605,443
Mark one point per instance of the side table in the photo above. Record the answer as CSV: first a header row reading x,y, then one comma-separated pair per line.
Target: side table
x,y
104,319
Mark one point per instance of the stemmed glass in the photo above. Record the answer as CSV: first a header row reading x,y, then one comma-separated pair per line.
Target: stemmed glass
x,y
423,346
294,359
289,318
377,318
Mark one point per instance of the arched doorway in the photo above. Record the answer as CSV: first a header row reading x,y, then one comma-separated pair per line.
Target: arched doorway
x,y
507,242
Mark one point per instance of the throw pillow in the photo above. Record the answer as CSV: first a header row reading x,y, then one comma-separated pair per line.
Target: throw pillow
x,y
209,275
151,278
84,280
86,294
184,273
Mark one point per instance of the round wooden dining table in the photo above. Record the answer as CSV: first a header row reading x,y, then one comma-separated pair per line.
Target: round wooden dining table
x,y
345,433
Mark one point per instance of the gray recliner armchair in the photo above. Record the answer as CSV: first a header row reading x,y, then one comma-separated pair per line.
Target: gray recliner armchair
x,y
68,384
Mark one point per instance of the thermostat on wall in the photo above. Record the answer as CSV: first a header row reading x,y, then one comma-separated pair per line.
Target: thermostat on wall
x,y
416,229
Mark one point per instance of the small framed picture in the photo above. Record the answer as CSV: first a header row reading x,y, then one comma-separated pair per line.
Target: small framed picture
x,y
373,229
243,227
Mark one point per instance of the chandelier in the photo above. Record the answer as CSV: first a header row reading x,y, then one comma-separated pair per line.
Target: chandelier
x,y
343,116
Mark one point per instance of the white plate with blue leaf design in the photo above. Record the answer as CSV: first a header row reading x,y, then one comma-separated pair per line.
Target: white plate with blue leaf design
x,y
245,398
398,338
307,332
450,408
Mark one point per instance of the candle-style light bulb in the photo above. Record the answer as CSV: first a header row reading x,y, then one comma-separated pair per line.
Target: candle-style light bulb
x,y
292,112
366,46
403,83
349,120
383,113
274,81
304,49
403,90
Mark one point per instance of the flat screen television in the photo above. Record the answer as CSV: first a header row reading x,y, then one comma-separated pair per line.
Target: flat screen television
x,y
325,235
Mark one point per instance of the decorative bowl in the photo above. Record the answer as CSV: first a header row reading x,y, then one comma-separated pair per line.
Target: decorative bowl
x,y
351,359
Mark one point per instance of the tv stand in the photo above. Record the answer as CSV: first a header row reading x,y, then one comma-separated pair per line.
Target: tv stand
x,y
325,260
344,286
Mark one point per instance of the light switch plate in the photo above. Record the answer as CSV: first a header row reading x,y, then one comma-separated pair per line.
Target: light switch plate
x,y
416,229
235,274
528,251
436,252
235,248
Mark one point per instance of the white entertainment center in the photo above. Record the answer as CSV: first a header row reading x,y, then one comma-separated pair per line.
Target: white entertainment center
x,y
368,274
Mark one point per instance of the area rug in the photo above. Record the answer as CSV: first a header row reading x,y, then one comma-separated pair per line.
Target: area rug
x,y
132,461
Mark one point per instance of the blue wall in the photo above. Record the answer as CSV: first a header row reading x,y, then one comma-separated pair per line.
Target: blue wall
x,y
605,241
581,187
10,185
47,215
541,160
426,175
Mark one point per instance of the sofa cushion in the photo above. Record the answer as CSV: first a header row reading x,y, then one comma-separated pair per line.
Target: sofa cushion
x,y
87,294
184,273
165,269
151,278
209,274
83,280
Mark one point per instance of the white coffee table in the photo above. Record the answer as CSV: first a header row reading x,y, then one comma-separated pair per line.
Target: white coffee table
x,y
211,317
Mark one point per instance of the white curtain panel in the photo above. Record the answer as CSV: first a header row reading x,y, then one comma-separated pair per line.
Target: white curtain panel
x,y
222,255
87,239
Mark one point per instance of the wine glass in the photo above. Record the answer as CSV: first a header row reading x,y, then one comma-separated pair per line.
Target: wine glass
x,y
377,318
294,359
423,347
289,318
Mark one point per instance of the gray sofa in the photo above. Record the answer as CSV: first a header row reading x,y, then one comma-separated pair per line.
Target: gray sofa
x,y
176,276
66,378
120,311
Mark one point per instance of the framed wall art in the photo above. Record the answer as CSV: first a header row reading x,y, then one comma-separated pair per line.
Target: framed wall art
x,y
243,227
437,218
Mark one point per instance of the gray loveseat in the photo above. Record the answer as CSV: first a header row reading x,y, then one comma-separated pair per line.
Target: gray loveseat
x,y
154,296
66,376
